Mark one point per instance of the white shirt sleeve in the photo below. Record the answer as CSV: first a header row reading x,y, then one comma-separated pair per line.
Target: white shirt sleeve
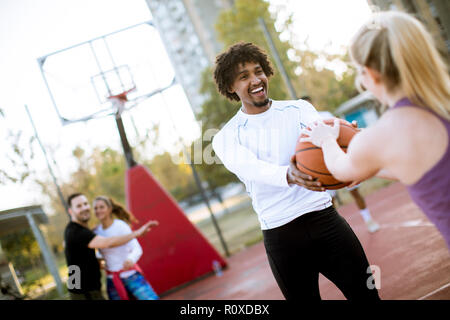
x,y
310,114
136,251
133,246
326,115
98,254
242,162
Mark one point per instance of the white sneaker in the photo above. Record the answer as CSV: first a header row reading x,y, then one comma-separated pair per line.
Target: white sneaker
x,y
372,226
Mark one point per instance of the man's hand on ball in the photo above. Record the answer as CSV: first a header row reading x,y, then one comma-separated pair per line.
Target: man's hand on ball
x,y
321,132
295,176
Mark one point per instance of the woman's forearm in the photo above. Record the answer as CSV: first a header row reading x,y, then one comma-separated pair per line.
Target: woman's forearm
x,y
336,160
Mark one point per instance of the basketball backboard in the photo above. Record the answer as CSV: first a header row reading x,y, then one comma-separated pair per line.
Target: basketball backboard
x,y
80,78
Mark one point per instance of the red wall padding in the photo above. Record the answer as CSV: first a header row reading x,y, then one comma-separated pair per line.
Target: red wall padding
x,y
174,252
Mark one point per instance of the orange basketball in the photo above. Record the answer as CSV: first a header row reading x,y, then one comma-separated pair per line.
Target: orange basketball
x,y
310,158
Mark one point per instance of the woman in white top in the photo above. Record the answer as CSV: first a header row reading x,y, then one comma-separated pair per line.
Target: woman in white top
x,y
124,275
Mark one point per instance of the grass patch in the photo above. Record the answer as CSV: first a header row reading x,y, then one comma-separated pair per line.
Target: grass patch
x,y
239,228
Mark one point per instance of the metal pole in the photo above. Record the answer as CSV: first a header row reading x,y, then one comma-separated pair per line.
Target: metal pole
x,y
60,194
48,258
197,181
278,61
205,199
219,197
119,104
443,12
126,146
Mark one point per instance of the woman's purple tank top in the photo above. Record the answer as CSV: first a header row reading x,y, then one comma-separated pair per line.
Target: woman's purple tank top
x,y
432,192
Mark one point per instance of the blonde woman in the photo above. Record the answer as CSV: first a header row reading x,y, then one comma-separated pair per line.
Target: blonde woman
x,y
124,275
398,62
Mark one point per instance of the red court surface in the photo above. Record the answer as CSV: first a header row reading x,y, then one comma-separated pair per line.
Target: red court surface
x,y
412,257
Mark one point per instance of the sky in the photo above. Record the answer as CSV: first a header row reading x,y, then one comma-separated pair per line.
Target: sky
x,y
30,29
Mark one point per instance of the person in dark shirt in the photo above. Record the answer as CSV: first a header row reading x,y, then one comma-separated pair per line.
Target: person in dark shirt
x,y
80,244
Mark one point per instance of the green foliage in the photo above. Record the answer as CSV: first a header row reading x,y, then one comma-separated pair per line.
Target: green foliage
x,y
321,83
241,24
216,110
21,248
176,178
109,168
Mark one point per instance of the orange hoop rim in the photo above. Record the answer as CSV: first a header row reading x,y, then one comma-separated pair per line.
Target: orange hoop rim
x,y
122,96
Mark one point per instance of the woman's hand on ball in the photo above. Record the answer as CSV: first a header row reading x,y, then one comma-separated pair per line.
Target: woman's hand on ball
x,y
295,176
320,132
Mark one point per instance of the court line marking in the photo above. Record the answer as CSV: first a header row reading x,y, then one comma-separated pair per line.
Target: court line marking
x,y
407,224
435,291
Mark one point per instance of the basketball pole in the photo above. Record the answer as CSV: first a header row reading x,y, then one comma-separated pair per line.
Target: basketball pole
x,y
119,104
60,194
205,199
126,146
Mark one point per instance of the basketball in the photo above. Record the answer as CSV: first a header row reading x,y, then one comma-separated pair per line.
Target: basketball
x,y
310,158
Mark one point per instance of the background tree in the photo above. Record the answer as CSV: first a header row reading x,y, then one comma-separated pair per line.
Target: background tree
x,y
22,253
327,89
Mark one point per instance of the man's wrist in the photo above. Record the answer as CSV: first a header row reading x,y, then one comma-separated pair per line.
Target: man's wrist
x,y
289,178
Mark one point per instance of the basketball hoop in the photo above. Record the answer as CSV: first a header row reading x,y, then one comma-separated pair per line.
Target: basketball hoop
x,y
119,101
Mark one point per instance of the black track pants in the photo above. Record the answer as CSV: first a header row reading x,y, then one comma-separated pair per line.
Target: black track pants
x,y
320,241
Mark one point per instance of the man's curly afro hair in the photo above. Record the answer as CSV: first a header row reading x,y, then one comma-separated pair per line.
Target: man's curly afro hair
x,y
227,65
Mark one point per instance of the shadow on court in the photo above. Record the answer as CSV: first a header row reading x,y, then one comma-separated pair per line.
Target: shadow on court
x,y
411,255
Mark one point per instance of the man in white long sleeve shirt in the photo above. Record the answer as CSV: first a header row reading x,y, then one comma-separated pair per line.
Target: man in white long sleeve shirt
x,y
303,233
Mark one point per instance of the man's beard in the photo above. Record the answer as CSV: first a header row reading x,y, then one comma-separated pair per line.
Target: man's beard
x,y
262,103
83,218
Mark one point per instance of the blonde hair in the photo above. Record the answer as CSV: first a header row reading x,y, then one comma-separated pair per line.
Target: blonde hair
x,y
117,210
400,48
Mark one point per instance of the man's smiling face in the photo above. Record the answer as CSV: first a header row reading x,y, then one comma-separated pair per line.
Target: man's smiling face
x,y
251,85
80,209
